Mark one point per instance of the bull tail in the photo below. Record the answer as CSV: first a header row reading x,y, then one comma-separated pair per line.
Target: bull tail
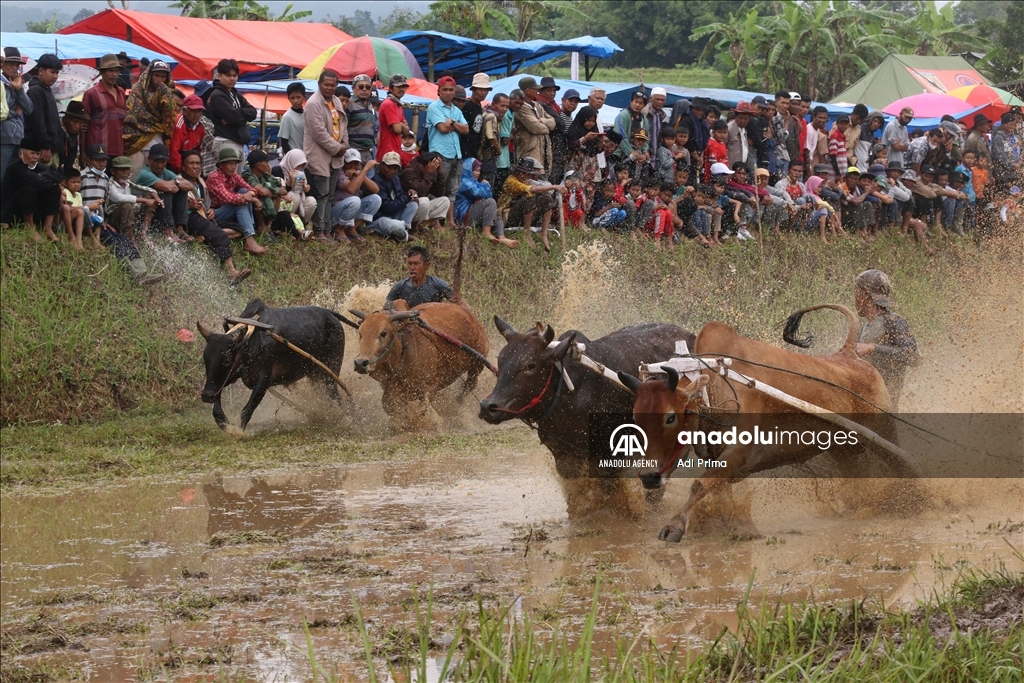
x,y
343,319
793,327
457,276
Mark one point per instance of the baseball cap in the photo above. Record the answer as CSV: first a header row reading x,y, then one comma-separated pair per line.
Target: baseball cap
x,y
528,83
571,94
720,169
743,107
352,155
877,285
851,169
159,65
201,88
96,152
824,168
391,159
159,152
194,101
759,100
397,80
446,80
927,168
121,162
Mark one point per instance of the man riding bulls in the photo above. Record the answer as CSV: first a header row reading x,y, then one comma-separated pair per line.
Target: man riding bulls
x,y
419,287
885,340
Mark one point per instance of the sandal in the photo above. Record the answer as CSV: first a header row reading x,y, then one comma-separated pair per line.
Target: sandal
x,y
241,275
341,237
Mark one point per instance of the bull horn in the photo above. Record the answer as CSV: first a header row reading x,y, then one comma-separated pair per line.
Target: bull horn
x,y
506,330
202,330
358,314
549,334
404,315
671,379
632,383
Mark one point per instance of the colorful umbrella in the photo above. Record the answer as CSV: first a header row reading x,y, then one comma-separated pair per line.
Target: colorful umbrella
x,y
929,105
376,57
998,100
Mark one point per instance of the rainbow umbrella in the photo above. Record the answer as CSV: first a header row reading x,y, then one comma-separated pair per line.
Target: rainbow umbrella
x,y
998,100
376,57
928,105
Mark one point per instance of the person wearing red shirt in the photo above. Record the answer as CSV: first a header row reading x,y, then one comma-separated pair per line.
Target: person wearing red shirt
x,y
233,199
391,117
189,131
104,104
716,151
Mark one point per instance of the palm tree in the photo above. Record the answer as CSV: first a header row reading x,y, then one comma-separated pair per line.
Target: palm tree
x,y
477,17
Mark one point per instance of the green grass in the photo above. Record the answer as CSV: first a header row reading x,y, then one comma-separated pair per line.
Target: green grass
x,y
956,636
687,76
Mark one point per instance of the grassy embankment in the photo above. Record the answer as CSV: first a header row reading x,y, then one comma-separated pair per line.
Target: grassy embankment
x,y
80,343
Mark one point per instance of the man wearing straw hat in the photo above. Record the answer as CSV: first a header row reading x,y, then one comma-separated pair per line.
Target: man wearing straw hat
x,y
105,105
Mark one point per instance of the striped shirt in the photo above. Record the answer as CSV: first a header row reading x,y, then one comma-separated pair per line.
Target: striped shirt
x,y
94,187
362,124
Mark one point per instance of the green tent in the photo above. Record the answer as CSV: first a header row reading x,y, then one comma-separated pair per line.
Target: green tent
x,y
900,76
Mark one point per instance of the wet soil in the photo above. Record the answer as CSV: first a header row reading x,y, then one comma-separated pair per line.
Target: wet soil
x,y
198,574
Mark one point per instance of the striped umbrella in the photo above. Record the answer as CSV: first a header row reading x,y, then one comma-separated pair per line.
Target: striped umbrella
x,y
998,100
376,57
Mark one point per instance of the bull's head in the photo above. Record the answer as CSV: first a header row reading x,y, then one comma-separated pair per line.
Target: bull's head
x,y
663,409
525,367
377,336
219,356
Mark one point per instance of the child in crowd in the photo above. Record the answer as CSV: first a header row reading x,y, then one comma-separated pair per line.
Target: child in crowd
x,y
679,151
268,186
665,162
607,211
702,219
727,222
837,146
94,189
72,212
409,148
575,202
822,214
716,152
979,178
659,226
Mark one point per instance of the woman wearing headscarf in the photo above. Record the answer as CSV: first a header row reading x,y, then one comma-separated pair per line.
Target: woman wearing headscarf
x,y
475,205
152,113
585,141
294,167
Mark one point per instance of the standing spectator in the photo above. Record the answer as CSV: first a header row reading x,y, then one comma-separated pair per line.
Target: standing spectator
x,y
105,105
757,133
546,97
72,121
491,146
445,123
393,126
716,151
817,137
871,124
738,143
1005,153
585,141
631,120
655,113
189,131
233,199
229,110
473,112
570,101
425,186
31,191
919,150
324,143
152,112
290,134
596,98
397,209
976,141
896,138
853,135
700,129
362,119
17,104
124,71
837,146
532,128
505,160
43,124
787,133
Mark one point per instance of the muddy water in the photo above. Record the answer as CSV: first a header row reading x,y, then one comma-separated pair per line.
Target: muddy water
x,y
134,553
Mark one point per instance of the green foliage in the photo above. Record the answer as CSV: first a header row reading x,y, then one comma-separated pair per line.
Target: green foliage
x,y
51,25
501,19
361,23
246,10
691,77
1005,62
83,13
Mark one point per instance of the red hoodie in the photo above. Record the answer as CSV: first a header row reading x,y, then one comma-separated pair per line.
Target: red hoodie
x,y
715,153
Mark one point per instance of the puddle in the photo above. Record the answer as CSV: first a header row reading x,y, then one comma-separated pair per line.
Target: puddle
x,y
129,572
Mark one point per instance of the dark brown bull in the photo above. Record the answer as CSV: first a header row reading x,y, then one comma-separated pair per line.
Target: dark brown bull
x,y
663,409
413,364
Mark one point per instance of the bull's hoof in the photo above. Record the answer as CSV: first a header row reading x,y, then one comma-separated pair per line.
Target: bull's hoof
x,y
671,534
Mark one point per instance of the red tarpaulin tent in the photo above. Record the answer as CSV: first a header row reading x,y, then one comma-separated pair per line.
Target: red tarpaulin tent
x,y
198,44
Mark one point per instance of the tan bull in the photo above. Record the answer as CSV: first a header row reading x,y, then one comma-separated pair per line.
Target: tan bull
x,y
413,364
840,382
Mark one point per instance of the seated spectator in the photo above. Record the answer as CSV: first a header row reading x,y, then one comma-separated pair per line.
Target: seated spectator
x,y
524,195
200,218
700,223
72,211
638,209
117,230
31,191
94,182
233,199
170,214
606,211
425,184
822,214
72,121
664,160
293,168
777,206
355,197
189,131
660,226
269,187
475,205
741,189
727,221
920,206
397,209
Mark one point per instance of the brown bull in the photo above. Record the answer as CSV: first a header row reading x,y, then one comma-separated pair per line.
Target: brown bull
x,y
663,409
413,364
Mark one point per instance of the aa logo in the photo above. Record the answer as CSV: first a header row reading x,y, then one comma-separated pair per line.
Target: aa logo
x,y
625,441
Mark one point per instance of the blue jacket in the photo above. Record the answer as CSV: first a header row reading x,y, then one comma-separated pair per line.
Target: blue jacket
x,y
470,190
393,197
12,129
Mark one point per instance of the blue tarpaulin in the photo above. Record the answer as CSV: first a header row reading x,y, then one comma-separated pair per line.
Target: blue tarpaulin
x,y
465,56
78,47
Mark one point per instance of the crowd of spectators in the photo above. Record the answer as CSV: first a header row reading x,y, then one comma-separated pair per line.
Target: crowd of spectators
x,y
148,162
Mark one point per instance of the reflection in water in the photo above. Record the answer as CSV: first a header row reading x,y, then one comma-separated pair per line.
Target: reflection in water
x,y
292,504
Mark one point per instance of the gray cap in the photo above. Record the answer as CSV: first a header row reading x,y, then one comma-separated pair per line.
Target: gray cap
x,y
528,83
909,177
877,285
950,128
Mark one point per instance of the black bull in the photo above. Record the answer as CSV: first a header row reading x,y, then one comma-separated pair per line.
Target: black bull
x,y
529,386
261,363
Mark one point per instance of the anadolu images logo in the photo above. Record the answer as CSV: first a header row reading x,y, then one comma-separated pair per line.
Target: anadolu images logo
x,y
627,443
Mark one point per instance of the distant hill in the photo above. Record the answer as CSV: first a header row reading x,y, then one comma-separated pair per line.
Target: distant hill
x,y
13,18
